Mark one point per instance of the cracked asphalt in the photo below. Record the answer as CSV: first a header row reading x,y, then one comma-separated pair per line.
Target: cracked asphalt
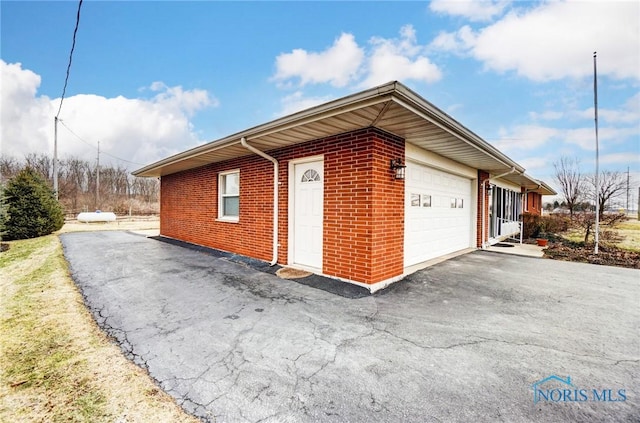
x,y
463,340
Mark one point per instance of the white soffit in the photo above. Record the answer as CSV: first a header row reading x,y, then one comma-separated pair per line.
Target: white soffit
x,y
391,107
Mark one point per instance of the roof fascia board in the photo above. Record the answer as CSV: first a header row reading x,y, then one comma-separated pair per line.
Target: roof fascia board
x,y
193,152
540,185
550,191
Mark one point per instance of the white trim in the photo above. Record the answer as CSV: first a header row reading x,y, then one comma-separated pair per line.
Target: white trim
x,y
374,287
290,205
473,239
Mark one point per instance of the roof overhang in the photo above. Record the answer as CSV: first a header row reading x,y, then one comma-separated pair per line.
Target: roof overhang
x,y
391,107
529,183
543,189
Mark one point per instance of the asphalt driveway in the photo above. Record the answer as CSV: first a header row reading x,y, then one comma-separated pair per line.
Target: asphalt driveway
x,y
464,340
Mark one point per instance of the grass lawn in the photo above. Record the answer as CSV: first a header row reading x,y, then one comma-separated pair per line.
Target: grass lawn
x,y
55,363
619,246
628,232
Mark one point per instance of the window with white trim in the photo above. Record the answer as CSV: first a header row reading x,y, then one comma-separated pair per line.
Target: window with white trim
x,y
229,195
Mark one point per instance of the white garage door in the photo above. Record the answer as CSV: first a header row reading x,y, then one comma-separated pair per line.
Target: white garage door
x,y
437,213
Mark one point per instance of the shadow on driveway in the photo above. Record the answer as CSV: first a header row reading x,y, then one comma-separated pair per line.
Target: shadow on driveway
x,y
464,340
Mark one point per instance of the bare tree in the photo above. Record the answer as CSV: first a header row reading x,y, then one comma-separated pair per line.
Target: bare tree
x,y
41,163
119,191
9,167
611,184
587,221
570,180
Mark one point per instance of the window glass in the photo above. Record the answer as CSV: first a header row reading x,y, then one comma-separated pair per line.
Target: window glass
x,y
310,176
231,185
231,206
229,196
426,200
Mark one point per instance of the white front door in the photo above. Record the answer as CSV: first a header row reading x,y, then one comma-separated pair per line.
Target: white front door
x,y
308,204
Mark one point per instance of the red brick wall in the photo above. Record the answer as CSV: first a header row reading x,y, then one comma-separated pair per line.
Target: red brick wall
x,y
482,178
363,210
534,203
189,208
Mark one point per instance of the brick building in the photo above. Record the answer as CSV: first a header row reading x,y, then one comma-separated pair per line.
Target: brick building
x,y
367,189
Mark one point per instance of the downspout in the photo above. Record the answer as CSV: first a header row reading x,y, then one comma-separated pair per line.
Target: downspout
x,y
251,148
484,212
525,199
484,207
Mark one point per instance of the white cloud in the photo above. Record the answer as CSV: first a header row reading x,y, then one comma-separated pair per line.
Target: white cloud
x,y
189,101
297,101
483,10
585,138
556,40
454,107
534,163
628,113
458,42
525,137
345,62
546,115
619,158
337,64
26,120
609,115
399,59
529,137
138,130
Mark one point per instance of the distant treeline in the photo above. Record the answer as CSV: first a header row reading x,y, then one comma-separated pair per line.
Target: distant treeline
x,y
118,191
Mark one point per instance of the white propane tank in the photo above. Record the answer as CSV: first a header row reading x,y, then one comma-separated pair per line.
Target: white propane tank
x,y
97,216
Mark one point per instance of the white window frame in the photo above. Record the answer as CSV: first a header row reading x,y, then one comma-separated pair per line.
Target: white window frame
x,y
222,195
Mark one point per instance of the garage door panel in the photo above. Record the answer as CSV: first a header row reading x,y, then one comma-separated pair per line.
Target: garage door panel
x,y
438,229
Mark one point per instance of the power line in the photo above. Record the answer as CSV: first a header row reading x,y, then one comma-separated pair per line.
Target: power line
x,y
55,118
73,46
76,135
98,148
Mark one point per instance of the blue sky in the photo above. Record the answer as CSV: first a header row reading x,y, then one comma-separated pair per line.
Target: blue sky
x,y
150,79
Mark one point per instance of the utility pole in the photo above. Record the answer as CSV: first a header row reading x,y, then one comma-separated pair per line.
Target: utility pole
x,y
55,156
98,179
597,187
627,189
